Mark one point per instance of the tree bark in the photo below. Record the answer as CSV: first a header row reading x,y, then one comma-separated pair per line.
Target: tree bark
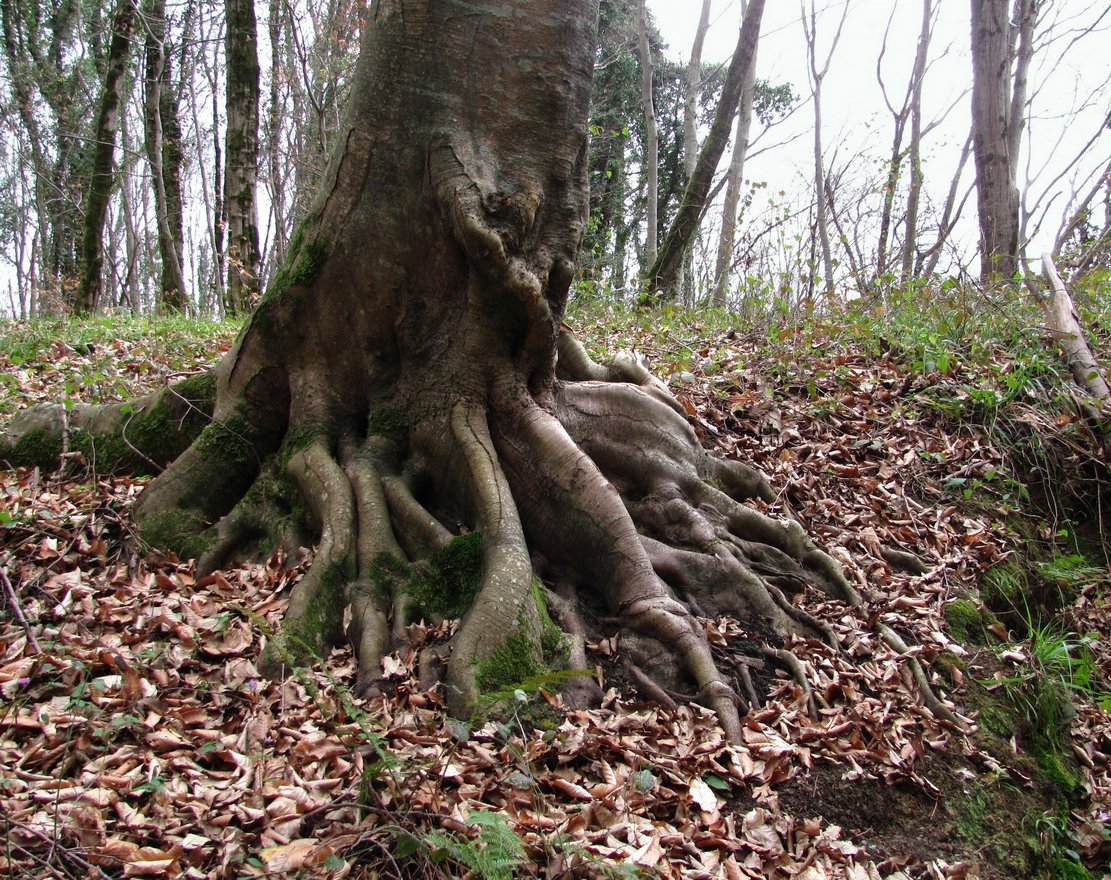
x,y
728,238
164,154
914,151
241,157
692,88
817,77
664,272
407,397
651,163
993,139
278,175
104,149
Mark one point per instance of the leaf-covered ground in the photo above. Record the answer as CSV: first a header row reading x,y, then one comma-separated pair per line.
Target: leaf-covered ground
x,y
137,738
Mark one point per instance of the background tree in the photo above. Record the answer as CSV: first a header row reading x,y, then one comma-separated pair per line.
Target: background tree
x,y
818,73
652,146
663,274
102,177
1001,53
241,156
165,156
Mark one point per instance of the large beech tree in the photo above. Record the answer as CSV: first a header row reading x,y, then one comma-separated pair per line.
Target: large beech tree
x,y
407,398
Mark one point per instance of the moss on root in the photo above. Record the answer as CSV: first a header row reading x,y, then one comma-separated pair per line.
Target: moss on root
x,y
42,449
446,584
180,531
309,637
138,440
527,654
226,442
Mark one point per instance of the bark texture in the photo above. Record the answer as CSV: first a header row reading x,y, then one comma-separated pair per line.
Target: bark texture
x,y
407,397
104,151
164,154
994,139
241,156
651,137
663,275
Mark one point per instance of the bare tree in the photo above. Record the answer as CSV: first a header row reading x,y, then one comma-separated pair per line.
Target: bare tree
x,y
818,74
728,235
104,149
692,89
664,272
241,169
652,147
164,154
1001,54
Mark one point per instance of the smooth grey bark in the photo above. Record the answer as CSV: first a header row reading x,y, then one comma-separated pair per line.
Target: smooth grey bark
x,y
691,90
1001,53
278,174
102,178
651,162
164,155
817,75
242,257
728,238
914,151
662,277
909,157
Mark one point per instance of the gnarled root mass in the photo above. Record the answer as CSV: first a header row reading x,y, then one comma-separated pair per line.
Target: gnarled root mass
x,y
541,523
403,397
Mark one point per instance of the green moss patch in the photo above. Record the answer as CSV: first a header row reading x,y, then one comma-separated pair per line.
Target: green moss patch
x,y
446,584
966,621
41,449
181,531
525,656
308,638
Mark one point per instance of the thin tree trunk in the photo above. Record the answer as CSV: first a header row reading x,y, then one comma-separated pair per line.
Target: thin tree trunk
x,y
274,135
926,262
992,132
651,138
103,174
241,171
817,77
21,94
164,156
662,277
728,238
914,154
690,126
894,170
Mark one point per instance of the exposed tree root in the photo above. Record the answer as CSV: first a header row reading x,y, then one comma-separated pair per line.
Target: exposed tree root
x,y
603,492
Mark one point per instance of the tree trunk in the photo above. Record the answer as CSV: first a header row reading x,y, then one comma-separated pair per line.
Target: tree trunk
x,y
997,195
651,163
406,395
817,77
728,238
692,87
241,157
664,272
914,151
278,174
104,149
164,153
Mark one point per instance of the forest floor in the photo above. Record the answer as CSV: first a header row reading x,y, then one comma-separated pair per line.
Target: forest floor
x,y
137,738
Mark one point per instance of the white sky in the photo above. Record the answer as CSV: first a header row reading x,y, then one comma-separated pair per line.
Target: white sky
x,y
855,116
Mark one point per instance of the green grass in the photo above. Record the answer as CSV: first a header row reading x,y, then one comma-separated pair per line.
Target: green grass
x,y
101,359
